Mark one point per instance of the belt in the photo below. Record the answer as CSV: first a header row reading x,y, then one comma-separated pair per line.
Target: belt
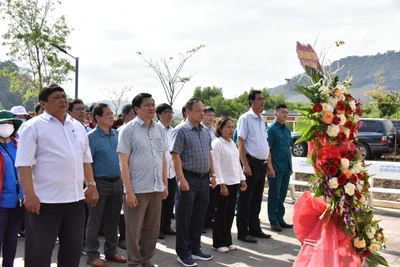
x,y
196,174
260,161
108,179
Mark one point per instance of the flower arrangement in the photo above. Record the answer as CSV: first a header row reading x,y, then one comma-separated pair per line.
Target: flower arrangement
x,y
330,126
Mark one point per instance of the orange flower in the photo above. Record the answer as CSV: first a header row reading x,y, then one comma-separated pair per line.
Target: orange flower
x,y
338,93
347,173
327,117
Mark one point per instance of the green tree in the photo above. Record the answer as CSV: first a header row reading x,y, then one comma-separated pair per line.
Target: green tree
x,y
206,93
168,71
32,28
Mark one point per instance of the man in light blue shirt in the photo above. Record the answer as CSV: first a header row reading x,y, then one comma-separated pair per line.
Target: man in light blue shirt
x,y
254,153
103,142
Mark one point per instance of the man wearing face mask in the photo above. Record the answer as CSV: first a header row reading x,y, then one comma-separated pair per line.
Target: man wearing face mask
x,y
19,113
11,195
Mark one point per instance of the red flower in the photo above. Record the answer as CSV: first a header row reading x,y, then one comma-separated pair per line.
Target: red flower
x,y
350,155
351,136
354,178
320,134
358,195
348,97
366,253
349,125
340,106
342,179
359,111
336,161
342,137
336,120
317,107
349,110
331,170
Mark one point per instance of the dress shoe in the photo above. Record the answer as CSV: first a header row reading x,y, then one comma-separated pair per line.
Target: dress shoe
x,y
116,258
161,235
285,225
276,227
21,233
122,244
170,231
96,263
262,235
248,239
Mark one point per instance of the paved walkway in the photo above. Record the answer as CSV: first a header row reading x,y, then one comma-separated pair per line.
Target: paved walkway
x,y
280,251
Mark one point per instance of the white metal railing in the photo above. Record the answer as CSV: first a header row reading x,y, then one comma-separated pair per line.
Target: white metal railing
x,y
377,170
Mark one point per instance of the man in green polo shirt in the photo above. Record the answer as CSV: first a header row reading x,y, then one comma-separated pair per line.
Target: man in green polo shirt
x,y
280,141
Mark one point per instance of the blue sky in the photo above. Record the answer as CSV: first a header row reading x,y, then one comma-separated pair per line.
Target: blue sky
x,y
248,43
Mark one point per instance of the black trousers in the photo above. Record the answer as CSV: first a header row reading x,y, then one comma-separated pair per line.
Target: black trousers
x,y
224,215
249,203
212,203
65,220
168,206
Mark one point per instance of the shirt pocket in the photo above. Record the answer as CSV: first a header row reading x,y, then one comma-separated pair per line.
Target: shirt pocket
x,y
158,144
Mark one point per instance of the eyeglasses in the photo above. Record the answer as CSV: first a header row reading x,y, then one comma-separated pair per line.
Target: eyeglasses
x,y
168,112
79,109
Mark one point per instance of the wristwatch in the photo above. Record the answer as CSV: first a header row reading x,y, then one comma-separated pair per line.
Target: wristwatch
x,y
91,183
213,175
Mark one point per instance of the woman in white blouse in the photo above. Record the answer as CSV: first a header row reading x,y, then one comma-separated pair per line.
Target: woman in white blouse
x,y
229,175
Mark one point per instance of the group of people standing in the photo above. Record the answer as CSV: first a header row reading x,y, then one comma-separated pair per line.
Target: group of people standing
x,y
144,166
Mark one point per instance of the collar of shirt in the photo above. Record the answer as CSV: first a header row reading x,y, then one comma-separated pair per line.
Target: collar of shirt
x,y
278,124
102,132
224,141
191,125
48,116
254,114
168,127
141,122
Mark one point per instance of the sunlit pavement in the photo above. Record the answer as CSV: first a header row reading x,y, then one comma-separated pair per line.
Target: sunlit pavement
x,y
279,251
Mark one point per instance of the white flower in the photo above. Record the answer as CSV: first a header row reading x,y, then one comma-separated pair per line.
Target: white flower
x,y
371,232
359,188
356,118
363,200
349,189
342,118
342,97
333,101
333,183
340,87
327,107
346,132
385,239
352,104
358,167
374,246
333,130
345,163
324,90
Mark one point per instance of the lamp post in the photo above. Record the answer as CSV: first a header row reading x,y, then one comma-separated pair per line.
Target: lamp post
x,y
76,66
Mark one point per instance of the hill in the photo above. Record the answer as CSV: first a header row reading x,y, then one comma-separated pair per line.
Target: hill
x,y
361,68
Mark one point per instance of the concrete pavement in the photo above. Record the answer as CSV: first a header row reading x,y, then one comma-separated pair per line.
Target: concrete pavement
x,y
280,251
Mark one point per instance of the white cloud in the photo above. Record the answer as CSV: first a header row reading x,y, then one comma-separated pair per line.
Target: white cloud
x,y
248,43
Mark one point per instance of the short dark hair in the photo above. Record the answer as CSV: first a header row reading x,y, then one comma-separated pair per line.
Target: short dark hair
x,y
118,121
138,99
127,108
161,108
208,109
98,110
91,107
189,105
74,102
37,108
279,106
184,111
252,95
220,125
48,90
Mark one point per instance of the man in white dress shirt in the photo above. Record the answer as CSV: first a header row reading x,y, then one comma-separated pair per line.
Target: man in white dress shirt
x,y
254,153
164,114
53,158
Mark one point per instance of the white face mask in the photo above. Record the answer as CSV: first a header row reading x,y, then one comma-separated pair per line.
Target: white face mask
x,y
6,130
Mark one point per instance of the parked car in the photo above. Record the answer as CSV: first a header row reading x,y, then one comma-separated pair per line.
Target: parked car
x,y
376,136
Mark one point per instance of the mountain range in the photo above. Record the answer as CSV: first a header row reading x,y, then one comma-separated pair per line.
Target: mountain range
x,y
361,68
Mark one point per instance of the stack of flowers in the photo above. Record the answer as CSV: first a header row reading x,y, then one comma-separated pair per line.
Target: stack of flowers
x,y
330,126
